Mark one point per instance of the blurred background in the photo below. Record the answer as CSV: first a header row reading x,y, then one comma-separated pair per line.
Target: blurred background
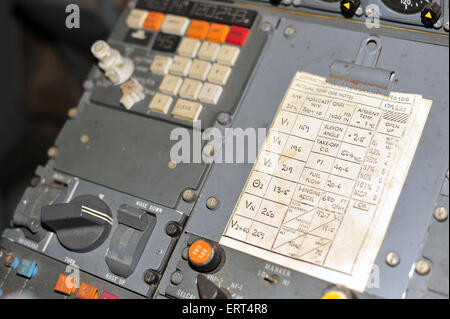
x,y
43,65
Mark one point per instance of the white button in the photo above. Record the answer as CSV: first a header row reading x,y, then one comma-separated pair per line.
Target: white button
x,y
132,92
136,18
180,65
187,110
209,51
189,47
160,103
170,84
199,70
174,24
161,64
219,74
210,93
228,55
190,89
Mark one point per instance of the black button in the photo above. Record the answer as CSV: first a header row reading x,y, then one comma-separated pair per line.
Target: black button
x,y
166,42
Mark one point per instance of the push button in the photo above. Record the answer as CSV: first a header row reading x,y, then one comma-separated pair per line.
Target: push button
x,y
198,30
153,21
108,295
218,32
28,268
65,285
188,110
237,35
173,24
87,291
136,18
204,256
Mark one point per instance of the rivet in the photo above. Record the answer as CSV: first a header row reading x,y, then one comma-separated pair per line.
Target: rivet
x,y
392,258
440,213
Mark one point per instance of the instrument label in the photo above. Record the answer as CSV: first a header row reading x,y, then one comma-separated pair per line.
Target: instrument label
x,y
322,191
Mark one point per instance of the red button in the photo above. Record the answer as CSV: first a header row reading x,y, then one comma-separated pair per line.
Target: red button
x,y
237,35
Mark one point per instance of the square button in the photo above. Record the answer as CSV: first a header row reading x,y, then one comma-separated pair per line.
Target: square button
x,y
173,24
136,18
209,51
210,93
180,65
87,291
199,70
237,35
190,89
161,64
219,74
187,110
166,42
160,103
189,47
218,32
198,30
66,284
170,84
228,55
153,21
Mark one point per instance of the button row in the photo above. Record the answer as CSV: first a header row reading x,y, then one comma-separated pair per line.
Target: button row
x,y
67,285
195,29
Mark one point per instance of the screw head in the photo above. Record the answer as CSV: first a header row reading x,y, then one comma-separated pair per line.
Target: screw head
x,y
423,267
176,277
84,139
266,26
289,31
223,118
188,195
208,150
172,164
392,258
440,213
446,26
212,203
173,229
151,277
52,152
9,259
73,112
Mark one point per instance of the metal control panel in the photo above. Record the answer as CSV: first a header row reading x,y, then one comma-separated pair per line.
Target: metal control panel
x,y
112,215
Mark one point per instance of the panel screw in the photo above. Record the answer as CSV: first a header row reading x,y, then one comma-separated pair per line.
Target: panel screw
x,y
438,24
359,12
289,32
296,3
423,267
173,229
188,195
172,164
208,150
446,26
176,277
440,213
266,26
52,152
223,118
392,258
84,139
151,277
73,112
212,203
9,259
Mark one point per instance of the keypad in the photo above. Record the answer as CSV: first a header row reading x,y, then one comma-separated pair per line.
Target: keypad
x,y
200,61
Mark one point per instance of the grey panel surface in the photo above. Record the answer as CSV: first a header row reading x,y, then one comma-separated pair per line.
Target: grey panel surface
x,y
312,49
126,152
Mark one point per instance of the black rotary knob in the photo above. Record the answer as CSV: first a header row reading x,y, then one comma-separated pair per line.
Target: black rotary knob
x,y
204,256
81,225
430,14
208,290
348,7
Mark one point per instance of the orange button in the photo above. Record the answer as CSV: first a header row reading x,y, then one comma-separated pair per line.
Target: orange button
x,y
153,20
87,291
198,29
218,32
200,252
65,284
